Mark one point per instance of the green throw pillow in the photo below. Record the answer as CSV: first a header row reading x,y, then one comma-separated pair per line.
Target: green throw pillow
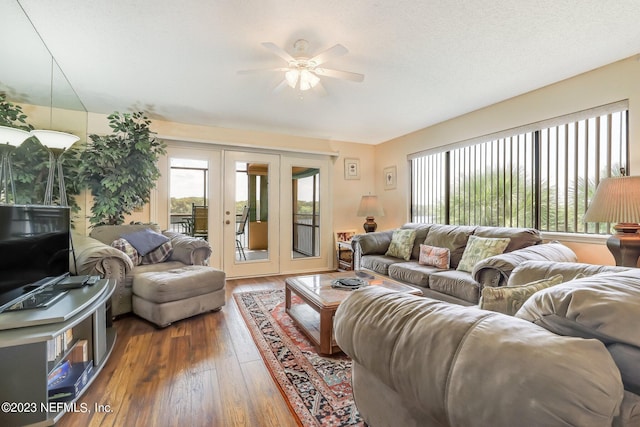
x,y
509,299
479,248
402,244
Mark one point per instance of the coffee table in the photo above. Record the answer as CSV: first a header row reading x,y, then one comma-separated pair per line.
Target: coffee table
x,y
320,301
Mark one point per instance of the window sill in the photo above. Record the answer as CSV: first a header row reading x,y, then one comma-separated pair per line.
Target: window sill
x,y
597,239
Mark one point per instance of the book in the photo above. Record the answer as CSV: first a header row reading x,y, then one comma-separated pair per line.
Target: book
x,y
79,352
59,373
75,380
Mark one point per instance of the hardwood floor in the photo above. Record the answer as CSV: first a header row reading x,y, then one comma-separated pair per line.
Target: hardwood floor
x,y
202,371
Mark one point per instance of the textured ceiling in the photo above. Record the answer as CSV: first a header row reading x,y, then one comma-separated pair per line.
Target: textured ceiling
x,y
424,61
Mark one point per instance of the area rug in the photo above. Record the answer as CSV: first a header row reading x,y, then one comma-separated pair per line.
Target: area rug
x,y
317,388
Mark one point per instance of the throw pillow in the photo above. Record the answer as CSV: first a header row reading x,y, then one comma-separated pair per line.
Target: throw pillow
x,y
145,240
479,248
401,244
509,299
127,248
159,254
434,256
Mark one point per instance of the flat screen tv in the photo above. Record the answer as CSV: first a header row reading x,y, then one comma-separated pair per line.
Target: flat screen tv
x,y
34,248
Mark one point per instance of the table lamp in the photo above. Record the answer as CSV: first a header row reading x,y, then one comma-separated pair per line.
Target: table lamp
x,y
56,143
10,139
370,207
617,200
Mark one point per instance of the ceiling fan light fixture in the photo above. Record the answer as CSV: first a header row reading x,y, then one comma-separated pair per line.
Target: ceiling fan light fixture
x,y
308,80
292,77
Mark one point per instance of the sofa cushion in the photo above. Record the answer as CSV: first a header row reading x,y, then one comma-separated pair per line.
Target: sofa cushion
x,y
520,237
436,257
509,299
453,237
401,244
108,233
375,243
378,263
459,284
604,307
178,283
479,248
412,272
627,359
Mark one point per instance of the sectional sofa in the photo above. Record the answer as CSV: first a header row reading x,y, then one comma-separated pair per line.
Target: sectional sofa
x,y
569,357
460,284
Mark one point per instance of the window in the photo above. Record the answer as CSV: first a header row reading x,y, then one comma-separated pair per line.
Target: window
x,y
541,177
188,187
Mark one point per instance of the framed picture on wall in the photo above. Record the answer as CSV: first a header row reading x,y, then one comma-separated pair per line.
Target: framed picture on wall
x,y
351,168
390,178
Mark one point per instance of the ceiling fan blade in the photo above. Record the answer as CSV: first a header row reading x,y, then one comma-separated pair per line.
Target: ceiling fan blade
x,y
320,89
337,50
337,74
260,70
280,86
278,51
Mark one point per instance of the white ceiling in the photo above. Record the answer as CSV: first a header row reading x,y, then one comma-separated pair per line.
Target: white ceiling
x,y
424,61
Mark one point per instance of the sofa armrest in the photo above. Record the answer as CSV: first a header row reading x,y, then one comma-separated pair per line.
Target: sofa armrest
x,y
495,270
188,250
375,243
93,257
530,271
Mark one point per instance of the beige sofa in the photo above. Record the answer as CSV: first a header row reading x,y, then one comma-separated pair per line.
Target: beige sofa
x,y
453,285
94,256
568,358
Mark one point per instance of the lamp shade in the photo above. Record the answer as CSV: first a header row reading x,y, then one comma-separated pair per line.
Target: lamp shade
x,y
55,139
13,136
617,200
370,206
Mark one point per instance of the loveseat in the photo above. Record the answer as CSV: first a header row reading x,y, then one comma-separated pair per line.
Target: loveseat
x,y
569,357
451,282
94,255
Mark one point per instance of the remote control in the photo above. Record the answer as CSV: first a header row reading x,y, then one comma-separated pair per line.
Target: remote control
x,y
92,280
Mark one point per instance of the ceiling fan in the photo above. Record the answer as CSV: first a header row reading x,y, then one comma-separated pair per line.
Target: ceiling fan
x,y
303,72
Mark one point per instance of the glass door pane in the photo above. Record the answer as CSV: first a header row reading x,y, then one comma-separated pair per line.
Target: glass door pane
x,y
305,187
188,191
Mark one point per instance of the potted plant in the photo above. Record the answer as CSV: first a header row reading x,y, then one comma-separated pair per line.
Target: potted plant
x,y
121,168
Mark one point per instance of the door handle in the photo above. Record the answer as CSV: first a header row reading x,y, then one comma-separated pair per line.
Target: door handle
x,y
227,222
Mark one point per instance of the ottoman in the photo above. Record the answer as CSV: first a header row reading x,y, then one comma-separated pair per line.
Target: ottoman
x,y
162,297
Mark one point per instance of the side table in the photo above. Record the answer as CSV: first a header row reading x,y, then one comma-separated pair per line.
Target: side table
x,y
344,254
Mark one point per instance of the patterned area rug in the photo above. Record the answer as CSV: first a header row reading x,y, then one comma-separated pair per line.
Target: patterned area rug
x,y
317,388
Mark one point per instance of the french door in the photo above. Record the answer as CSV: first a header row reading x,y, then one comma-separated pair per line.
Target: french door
x,y
251,214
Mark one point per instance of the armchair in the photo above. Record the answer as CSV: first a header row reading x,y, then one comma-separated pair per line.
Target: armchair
x,y
95,256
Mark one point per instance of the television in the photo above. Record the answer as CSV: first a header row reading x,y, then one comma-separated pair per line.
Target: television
x,y
34,252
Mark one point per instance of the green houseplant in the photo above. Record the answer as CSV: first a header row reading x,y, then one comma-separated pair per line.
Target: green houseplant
x,y
121,168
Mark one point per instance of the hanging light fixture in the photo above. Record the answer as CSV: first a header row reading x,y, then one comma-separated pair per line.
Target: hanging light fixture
x,y
301,78
10,139
56,143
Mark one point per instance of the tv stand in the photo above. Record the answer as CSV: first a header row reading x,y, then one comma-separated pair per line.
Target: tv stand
x,y
26,357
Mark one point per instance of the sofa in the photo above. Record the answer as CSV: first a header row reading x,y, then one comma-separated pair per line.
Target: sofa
x,y
453,284
568,357
94,255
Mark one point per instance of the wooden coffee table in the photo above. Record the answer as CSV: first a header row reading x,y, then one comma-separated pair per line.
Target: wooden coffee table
x,y
320,301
